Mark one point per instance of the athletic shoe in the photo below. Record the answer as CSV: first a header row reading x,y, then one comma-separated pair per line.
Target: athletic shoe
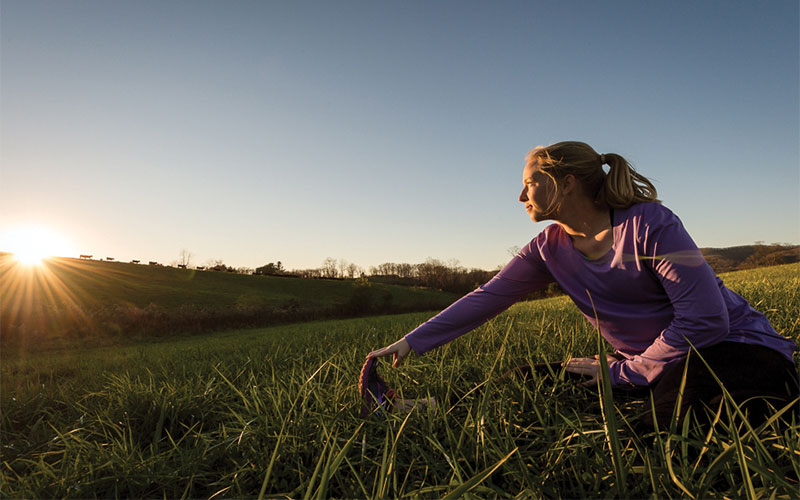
x,y
376,396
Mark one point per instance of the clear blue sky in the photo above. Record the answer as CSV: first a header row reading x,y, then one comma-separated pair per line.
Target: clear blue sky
x,y
384,131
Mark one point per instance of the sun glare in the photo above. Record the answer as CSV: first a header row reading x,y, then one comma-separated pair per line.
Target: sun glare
x,y
30,245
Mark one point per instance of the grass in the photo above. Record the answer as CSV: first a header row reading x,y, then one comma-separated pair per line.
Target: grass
x,y
65,300
273,413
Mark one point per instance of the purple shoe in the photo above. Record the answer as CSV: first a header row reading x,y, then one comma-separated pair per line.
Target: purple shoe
x,y
377,397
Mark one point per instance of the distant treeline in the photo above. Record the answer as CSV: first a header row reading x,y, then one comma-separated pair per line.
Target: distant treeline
x,y
433,273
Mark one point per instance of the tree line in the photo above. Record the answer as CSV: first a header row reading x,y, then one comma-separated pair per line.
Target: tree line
x,y
433,273
448,276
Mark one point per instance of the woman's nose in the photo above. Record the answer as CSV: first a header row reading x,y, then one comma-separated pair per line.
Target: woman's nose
x,y
523,196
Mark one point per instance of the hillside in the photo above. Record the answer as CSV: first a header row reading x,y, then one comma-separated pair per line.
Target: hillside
x,y
82,298
92,283
738,258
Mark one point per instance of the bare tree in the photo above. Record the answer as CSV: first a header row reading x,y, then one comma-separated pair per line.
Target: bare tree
x,y
353,270
185,257
329,268
343,268
405,270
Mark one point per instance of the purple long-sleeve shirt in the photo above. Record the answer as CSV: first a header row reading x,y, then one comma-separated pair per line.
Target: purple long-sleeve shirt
x,y
653,293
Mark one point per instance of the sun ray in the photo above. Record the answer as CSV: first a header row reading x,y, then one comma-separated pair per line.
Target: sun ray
x,y
36,303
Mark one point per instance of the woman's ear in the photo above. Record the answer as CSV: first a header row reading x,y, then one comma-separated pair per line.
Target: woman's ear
x,y
568,184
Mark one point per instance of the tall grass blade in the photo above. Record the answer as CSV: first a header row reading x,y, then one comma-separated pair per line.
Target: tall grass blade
x,y
233,387
742,459
334,462
312,481
474,481
379,490
159,426
609,412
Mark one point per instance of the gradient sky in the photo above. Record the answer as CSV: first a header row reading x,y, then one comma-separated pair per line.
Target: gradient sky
x,y
383,131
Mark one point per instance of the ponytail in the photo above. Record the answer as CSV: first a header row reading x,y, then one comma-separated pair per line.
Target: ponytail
x,y
620,188
623,186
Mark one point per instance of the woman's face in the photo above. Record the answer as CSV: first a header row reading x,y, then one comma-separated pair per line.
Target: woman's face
x,y
537,192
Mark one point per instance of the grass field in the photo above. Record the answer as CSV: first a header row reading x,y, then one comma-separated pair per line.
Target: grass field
x,y
273,412
65,300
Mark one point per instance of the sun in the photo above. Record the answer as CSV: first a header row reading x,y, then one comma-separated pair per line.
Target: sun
x,y
30,245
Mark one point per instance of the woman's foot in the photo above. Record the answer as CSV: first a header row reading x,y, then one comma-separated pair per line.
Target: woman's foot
x,y
403,406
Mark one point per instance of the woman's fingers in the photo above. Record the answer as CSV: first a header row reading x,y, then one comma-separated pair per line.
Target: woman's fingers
x,y
582,366
609,358
399,350
585,366
380,352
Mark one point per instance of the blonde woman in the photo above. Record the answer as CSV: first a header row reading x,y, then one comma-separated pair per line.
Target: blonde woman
x,y
654,295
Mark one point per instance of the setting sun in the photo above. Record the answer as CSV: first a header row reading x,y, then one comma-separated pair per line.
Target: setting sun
x,y
31,244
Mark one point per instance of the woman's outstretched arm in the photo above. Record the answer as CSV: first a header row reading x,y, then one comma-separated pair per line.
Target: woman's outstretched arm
x,y
525,273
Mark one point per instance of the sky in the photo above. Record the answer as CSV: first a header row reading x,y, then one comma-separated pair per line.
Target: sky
x,y
263,131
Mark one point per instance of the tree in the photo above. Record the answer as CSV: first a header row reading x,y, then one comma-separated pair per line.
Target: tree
x,y
185,257
329,268
216,265
342,268
271,269
353,270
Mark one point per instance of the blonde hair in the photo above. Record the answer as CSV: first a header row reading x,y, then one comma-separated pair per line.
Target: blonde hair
x,y
620,188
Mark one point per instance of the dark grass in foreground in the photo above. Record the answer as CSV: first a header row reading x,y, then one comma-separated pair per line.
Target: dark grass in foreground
x,y
274,412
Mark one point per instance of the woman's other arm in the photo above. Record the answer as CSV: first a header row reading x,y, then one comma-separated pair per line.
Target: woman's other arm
x,y
700,315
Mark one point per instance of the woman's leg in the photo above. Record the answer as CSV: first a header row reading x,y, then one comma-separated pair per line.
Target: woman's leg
x,y
747,371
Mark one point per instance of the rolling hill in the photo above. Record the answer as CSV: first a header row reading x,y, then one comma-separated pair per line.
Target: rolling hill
x,y
69,298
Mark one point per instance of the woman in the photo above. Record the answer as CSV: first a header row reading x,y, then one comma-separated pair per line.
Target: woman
x,y
626,260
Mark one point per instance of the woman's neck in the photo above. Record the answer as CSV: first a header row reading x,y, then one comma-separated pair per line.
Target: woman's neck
x,y
585,221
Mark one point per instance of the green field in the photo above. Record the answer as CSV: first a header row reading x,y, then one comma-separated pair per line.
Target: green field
x,y
273,412
65,300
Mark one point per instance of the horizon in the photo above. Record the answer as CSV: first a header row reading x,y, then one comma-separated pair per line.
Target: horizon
x,y
264,132
37,260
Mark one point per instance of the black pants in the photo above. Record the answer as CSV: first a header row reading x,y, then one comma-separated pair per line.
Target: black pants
x,y
756,377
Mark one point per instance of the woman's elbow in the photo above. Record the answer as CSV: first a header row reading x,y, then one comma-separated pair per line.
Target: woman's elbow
x,y
715,328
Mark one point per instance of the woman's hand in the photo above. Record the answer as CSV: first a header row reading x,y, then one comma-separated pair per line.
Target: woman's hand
x,y
399,350
587,366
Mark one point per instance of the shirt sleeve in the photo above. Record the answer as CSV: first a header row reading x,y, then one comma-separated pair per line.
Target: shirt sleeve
x,y
700,317
525,273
